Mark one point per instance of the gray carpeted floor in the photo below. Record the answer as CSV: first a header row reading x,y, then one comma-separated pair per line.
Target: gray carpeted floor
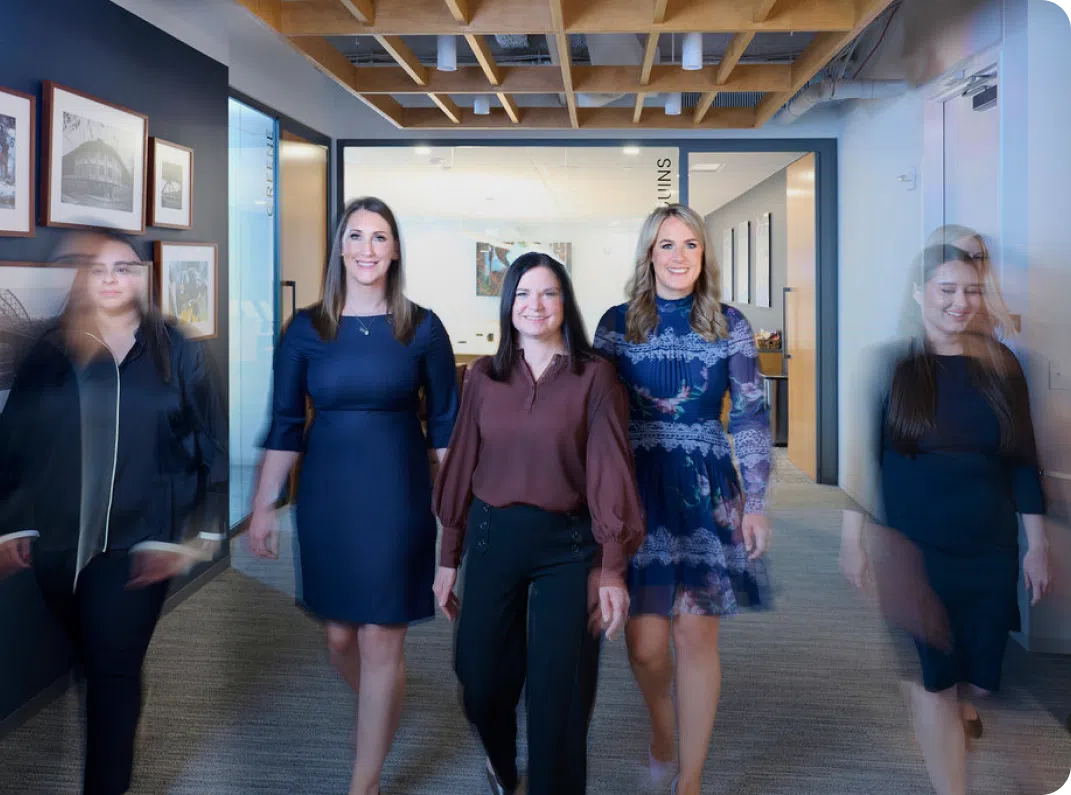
x,y
241,699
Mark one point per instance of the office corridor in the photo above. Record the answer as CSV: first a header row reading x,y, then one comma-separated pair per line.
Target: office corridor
x,y
242,699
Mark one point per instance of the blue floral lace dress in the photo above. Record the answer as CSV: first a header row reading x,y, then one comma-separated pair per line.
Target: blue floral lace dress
x,y
693,558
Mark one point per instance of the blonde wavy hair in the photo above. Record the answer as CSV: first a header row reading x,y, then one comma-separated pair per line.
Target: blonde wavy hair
x,y
706,319
996,318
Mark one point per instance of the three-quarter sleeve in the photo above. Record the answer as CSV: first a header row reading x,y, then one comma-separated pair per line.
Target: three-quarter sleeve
x,y
287,429
440,384
1025,476
861,473
612,494
749,419
453,487
203,402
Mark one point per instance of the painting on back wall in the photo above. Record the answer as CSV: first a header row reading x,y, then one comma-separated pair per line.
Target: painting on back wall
x,y
17,161
492,260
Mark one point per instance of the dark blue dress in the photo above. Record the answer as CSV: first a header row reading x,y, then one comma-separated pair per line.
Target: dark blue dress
x,y
366,533
693,558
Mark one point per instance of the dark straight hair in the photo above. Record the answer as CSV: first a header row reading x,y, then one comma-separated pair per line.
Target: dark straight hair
x,y
574,335
153,331
404,314
912,409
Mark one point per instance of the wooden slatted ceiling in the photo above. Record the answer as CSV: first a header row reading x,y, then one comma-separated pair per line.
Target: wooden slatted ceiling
x,y
307,23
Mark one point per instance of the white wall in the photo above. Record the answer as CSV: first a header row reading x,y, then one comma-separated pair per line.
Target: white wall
x,y
881,229
440,269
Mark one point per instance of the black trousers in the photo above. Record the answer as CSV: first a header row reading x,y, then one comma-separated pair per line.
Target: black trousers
x,y
523,626
110,627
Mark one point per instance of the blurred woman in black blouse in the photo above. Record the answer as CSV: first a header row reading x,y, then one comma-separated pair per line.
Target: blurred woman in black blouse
x,y
110,456
944,466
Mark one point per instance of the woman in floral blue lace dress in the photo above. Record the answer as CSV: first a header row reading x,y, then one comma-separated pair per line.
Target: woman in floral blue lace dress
x,y
679,350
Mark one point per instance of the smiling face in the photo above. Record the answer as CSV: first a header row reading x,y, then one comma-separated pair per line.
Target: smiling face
x,y
677,258
368,248
538,308
950,300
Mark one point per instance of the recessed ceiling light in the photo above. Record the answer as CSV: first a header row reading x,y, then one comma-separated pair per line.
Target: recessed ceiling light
x,y
707,167
631,151
422,150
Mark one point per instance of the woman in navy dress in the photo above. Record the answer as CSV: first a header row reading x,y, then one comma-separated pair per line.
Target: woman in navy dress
x,y
944,468
366,533
678,349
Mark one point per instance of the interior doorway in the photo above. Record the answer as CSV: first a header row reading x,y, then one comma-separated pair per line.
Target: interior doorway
x,y
761,214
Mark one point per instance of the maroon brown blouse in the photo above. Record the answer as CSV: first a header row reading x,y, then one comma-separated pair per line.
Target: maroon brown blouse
x,y
560,443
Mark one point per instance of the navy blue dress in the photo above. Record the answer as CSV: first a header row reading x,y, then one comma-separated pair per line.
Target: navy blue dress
x,y
365,530
693,559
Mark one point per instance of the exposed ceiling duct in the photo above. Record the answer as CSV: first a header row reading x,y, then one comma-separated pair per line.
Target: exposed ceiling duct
x,y
604,49
834,90
512,41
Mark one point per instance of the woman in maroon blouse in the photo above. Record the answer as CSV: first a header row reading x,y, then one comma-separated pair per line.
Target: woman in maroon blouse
x,y
539,471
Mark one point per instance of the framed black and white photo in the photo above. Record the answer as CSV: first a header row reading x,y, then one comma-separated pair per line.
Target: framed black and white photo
x,y
743,262
170,185
93,174
186,280
727,265
18,142
762,261
32,295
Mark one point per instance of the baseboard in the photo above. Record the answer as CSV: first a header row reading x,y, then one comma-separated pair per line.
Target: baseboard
x,y
53,691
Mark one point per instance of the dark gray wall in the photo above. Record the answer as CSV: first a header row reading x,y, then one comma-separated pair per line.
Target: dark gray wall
x,y
96,47
766,197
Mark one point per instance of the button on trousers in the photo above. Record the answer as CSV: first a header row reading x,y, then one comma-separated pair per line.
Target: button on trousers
x,y
524,626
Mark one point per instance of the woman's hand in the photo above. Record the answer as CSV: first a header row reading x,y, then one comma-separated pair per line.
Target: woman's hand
x,y
264,533
613,605
1036,571
756,531
854,564
15,556
445,579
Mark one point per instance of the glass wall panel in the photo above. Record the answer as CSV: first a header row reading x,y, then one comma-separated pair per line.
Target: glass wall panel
x,y
253,280
466,211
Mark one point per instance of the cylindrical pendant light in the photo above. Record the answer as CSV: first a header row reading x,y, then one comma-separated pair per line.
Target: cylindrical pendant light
x,y
447,57
482,106
692,52
673,104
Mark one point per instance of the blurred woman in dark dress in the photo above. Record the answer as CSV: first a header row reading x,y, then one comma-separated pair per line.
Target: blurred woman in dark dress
x,y
366,533
945,467
112,481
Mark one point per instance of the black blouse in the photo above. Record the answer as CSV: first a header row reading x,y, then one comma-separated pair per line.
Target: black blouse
x,y
112,452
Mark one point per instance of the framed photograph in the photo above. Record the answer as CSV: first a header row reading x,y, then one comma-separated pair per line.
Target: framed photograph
x,y
170,185
93,173
743,263
727,265
32,295
18,149
762,261
493,259
187,277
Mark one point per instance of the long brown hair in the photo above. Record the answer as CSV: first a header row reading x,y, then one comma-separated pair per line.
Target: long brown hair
x,y
912,409
77,249
706,319
326,315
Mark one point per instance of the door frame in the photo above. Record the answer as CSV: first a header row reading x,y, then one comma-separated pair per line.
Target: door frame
x,y
827,236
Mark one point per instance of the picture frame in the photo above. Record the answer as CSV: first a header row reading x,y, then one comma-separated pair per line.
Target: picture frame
x,y
727,265
33,295
763,245
95,162
743,263
18,159
187,285
170,199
